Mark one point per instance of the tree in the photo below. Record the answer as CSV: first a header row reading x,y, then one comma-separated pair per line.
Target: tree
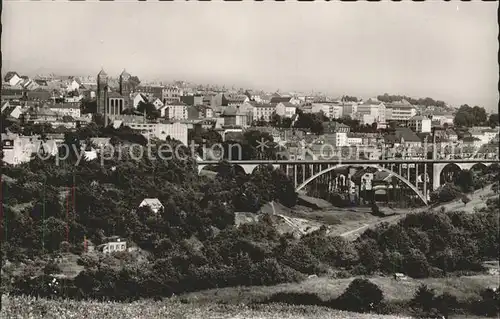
x,y
88,106
493,120
416,264
275,120
347,98
446,304
361,296
146,107
424,298
467,116
134,81
313,122
465,180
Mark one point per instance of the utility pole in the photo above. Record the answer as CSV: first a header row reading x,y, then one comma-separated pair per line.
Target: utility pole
x,y
43,214
425,168
106,106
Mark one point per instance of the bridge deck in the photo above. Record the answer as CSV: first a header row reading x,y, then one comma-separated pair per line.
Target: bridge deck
x,y
392,161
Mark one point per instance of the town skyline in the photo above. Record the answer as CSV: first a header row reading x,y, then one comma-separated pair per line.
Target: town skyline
x,y
422,61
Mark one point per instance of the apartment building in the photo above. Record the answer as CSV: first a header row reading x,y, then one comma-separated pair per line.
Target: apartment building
x,y
400,111
263,111
372,112
171,94
420,124
177,111
177,131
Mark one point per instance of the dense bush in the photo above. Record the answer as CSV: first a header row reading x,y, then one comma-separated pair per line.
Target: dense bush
x,y
446,193
361,296
430,244
426,303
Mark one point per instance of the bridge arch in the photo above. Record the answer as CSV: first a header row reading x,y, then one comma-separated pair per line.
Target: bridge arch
x,y
448,172
255,168
439,167
329,169
479,166
237,168
249,169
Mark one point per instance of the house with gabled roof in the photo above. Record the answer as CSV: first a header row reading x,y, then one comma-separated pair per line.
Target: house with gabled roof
x,y
13,111
12,78
153,203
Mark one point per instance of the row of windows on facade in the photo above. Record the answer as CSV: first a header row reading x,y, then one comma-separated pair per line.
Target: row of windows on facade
x,y
113,247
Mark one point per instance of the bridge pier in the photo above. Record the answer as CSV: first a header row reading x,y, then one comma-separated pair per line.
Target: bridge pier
x,y
437,168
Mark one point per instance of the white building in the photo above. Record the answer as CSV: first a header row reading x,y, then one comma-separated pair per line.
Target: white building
x,y
484,136
15,79
400,111
371,113
73,99
286,109
73,85
340,139
113,246
443,119
171,94
177,131
263,111
420,124
353,139
367,119
330,110
176,111
153,203
66,109
12,111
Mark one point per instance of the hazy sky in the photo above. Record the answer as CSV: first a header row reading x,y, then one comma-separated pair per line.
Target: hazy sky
x,y
442,50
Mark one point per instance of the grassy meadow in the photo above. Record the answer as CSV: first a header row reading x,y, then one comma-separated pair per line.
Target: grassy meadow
x,y
33,308
329,288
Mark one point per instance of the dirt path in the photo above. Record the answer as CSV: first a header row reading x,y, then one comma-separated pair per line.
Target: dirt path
x,y
362,228
355,233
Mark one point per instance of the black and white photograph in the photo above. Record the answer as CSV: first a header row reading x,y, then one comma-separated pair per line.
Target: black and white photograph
x,y
249,159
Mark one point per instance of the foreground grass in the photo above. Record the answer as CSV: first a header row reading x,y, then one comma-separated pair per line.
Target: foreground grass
x,y
29,307
329,288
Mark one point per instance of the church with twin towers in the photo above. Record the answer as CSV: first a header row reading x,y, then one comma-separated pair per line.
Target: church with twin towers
x,y
111,103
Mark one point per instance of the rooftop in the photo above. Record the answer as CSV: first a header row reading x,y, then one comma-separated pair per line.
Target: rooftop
x,y
418,118
280,99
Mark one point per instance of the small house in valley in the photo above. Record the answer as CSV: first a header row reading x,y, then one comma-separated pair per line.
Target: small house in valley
x,y
114,244
153,203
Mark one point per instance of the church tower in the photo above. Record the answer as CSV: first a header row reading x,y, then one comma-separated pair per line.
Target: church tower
x,y
102,90
125,87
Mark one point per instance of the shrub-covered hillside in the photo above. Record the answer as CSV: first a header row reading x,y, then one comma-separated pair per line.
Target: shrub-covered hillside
x,y
192,243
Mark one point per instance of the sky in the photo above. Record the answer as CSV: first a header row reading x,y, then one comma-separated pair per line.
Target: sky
x,y
444,50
